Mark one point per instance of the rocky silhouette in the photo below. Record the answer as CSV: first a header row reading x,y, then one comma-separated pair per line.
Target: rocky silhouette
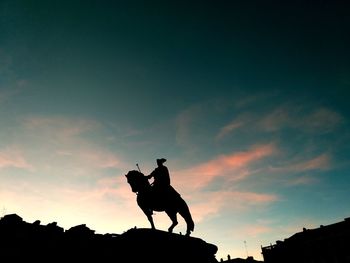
x,y
149,200
21,241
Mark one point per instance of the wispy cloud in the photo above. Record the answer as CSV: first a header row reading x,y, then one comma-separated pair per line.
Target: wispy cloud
x,y
101,158
321,162
302,180
318,120
70,141
275,120
229,128
59,126
233,165
321,120
220,202
13,157
289,115
184,121
255,230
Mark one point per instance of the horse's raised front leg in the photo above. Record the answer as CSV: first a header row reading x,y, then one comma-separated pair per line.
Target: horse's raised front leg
x,y
173,218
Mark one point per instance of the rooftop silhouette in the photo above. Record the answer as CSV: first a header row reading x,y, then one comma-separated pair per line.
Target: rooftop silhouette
x,y
327,244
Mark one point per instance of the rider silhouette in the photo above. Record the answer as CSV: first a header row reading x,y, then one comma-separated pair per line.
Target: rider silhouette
x,y
162,190
161,176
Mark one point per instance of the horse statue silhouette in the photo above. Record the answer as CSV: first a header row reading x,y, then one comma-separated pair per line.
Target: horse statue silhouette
x,y
149,200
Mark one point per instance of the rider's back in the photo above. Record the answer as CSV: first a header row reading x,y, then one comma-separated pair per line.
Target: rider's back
x,y
161,177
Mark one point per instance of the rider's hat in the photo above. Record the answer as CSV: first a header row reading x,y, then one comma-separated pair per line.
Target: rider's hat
x,y
162,160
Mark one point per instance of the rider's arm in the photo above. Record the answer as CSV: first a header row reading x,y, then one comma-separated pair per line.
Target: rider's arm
x,y
150,175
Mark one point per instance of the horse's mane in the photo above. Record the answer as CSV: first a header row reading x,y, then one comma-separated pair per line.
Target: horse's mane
x,y
134,173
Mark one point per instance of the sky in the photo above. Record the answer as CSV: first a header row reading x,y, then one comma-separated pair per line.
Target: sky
x,y
247,101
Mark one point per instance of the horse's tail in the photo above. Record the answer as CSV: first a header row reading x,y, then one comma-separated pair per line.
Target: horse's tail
x,y
186,214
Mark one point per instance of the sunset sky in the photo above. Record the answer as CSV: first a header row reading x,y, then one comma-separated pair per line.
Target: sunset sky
x,y
247,100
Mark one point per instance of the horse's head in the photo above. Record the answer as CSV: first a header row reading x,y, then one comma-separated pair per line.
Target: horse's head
x,y
137,180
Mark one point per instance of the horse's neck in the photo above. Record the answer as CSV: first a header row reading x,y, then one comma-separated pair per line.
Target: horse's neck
x,y
140,183
144,188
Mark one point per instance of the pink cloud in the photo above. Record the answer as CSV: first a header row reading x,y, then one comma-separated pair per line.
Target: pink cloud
x,y
235,165
227,129
59,127
256,230
14,158
100,158
276,119
116,186
321,119
205,204
318,120
183,124
321,162
302,180
252,198
62,137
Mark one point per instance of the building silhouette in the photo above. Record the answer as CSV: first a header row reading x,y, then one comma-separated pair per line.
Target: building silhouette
x,y
326,244
249,259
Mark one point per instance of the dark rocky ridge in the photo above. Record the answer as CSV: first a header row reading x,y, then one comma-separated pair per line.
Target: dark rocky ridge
x,y
21,241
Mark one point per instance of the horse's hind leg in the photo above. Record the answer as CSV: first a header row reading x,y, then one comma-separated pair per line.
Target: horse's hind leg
x,y
173,218
190,225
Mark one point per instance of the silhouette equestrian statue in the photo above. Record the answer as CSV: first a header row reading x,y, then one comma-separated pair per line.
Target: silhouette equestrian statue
x,y
149,200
